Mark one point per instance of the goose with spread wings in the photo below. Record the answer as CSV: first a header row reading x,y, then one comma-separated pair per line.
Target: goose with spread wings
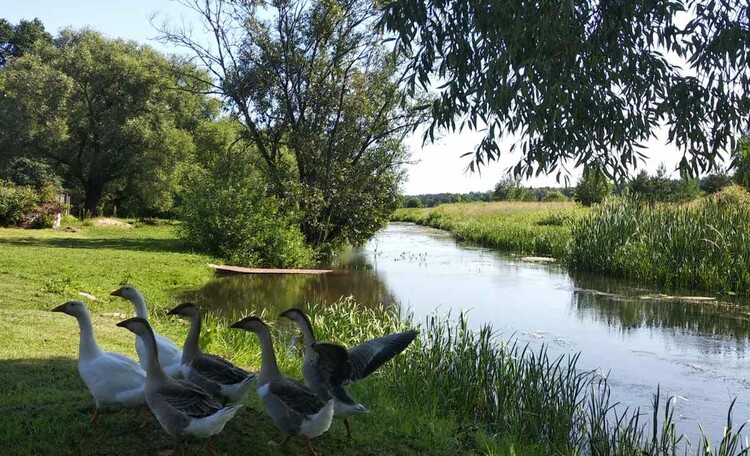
x,y
328,367
293,407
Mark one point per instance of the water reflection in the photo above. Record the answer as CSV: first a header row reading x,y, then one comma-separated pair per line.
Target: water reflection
x,y
627,308
278,292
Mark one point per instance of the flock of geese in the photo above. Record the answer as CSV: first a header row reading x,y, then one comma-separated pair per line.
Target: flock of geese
x,y
194,394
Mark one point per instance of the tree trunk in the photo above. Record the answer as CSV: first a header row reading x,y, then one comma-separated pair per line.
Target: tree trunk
x,y
94,194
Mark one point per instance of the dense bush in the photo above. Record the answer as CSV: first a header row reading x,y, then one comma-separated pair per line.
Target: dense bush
x,y
15,203
413,201
32,173
698,245
234,219
28,207
715,182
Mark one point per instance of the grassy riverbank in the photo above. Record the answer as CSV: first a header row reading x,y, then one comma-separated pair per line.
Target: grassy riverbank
x,y
702,245
526,228
46,408
454,392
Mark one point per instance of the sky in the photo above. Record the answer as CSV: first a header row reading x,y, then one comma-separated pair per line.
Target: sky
x,y
435,168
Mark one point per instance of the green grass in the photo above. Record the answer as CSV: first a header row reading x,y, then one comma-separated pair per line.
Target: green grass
x,y
454,391
46,408
526,228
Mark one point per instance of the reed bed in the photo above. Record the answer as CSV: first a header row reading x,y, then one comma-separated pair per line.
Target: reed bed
x,y
700,245
496,391
527,228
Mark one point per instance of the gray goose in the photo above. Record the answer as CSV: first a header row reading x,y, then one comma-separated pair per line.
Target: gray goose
x,y
219,377
182,409
293,408
328,367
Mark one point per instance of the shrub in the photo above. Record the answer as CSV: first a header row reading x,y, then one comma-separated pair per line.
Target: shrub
x,y
553,196
15,203
31,173
234,219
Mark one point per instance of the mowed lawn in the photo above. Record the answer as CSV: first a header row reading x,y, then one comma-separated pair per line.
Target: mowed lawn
x,y
45,408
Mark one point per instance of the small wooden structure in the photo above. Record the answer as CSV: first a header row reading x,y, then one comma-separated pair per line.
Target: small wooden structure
x,y
224,269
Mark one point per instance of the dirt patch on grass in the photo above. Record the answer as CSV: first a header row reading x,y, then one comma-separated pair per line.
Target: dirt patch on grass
x,y
110,222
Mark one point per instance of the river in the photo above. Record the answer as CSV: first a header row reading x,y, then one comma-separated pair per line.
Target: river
x,y
693,349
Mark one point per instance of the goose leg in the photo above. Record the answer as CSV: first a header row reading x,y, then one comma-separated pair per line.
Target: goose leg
x,y
310,451
95,416
144,416
348,429
173,451
209,446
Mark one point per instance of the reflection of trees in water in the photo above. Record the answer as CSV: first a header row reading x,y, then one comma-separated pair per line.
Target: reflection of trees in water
x,y
729,321
278,292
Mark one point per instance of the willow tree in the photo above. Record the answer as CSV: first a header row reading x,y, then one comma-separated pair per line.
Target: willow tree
x,y
319,96
102,110
580,81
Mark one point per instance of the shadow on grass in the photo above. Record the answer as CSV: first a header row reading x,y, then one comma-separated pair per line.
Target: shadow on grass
x,y
135,244
45,409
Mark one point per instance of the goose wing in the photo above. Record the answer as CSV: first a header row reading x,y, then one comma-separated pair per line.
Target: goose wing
x,y
332,363
297,397
366,357
218,369
188,399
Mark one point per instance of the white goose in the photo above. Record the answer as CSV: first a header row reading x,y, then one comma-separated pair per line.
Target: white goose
x,y
112,378
170,355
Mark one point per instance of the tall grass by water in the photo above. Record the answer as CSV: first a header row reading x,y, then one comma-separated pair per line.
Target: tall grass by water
x,y
523,227
704,244
496,391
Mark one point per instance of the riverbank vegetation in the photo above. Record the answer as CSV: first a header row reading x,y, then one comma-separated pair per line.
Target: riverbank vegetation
x,y
699,244
704,244
521,227
455,391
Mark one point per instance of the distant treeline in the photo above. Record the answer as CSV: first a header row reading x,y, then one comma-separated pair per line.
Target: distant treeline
x,y
516,194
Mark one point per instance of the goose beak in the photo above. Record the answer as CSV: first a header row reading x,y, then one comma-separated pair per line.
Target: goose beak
x,y
285,314
60,308
237,324
122,324
117,292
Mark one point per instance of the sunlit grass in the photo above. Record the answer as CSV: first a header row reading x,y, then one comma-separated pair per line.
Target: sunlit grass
x,y
454,391
522,227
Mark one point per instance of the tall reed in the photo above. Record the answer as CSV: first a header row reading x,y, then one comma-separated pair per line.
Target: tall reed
x,y
704,244
491,388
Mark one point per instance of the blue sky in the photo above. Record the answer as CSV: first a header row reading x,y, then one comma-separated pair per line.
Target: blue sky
x,y
439,166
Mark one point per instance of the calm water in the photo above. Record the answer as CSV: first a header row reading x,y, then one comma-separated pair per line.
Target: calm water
x,y
697,351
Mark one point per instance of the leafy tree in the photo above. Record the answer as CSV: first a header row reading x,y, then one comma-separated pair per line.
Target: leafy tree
x,y
103,110
318,95
15,40
510,189
33,173
593,186
580,81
